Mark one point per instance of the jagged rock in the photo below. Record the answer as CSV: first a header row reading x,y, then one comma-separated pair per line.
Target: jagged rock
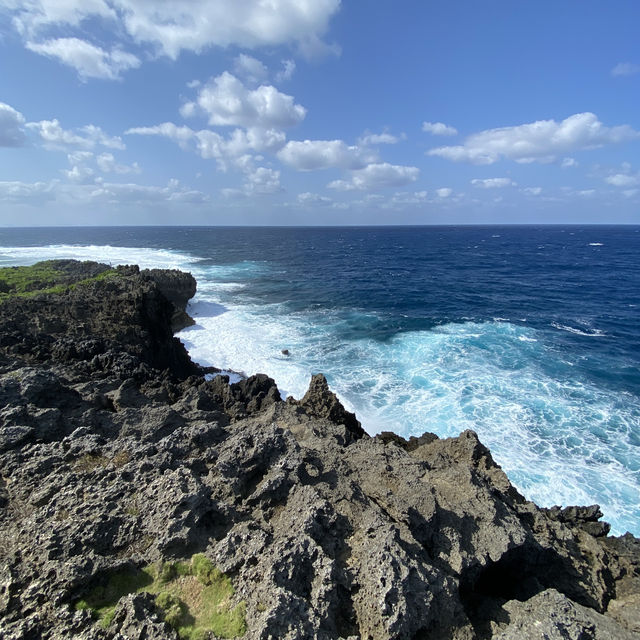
x,y
552,616
112,455
320,402
178,287
138,618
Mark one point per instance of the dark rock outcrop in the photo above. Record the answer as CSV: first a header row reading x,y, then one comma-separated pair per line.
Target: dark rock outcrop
x,y
123,323
325,532
178,287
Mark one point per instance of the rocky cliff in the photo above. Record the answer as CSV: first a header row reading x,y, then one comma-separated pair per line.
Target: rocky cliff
x,y
139,500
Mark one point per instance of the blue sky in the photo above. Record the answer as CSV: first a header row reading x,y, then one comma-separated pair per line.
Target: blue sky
x,y
319,112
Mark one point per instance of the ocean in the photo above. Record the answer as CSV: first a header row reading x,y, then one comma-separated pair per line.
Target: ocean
x,y
530,336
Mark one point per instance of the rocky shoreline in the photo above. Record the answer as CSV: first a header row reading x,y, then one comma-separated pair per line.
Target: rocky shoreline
x,y
116,455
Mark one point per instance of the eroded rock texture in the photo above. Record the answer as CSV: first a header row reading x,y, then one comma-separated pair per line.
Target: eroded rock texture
x,y
115,451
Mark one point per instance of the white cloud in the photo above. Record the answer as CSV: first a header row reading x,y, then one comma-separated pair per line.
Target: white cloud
x,y
444,192
404,198
309,155
629,193
625,69
250,68
191,25
87,137
624,177
622,180
182,135
27,192
90,61
377,176
11,123
70,194
586,193
131,193
227,102
288,69
80,174
538,141
439,129
533,191
493,183
211,145
308,198
107,164
569,162
262,181
378,138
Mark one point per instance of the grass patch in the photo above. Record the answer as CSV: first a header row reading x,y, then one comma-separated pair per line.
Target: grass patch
x,y
195,597
89,462
42,277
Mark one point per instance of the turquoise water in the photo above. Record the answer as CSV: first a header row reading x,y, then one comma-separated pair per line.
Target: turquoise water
x,y
529,336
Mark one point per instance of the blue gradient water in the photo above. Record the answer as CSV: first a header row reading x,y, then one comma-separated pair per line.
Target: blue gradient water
x,y
529,336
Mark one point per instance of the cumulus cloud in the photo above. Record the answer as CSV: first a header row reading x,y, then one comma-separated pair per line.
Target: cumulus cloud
x,y
377,176
211,145
444,192
250,68
89,60
262,181
533,191
191,25
227,102
89,136
107,164
569,162
439,129
625,69
538,141
11,127
309,155
493,183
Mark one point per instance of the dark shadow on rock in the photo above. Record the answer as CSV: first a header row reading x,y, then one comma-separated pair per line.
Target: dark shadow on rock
x,y
521,573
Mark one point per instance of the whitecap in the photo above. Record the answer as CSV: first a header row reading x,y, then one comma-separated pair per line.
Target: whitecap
x,y
596,244
590,333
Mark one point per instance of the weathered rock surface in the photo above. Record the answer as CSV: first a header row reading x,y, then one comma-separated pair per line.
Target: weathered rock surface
x,y
325,532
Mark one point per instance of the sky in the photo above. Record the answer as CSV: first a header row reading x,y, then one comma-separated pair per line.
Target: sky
x,y
319,112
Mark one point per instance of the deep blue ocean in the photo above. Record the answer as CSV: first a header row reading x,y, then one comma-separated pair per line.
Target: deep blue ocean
x,y
528,335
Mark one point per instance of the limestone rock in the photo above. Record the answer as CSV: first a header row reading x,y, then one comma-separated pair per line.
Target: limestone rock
x,y
115,451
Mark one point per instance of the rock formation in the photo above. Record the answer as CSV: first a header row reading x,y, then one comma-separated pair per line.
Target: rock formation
x,y
116,453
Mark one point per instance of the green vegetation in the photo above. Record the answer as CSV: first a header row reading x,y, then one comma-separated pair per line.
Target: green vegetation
x,y
194,596
89,462
42,277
